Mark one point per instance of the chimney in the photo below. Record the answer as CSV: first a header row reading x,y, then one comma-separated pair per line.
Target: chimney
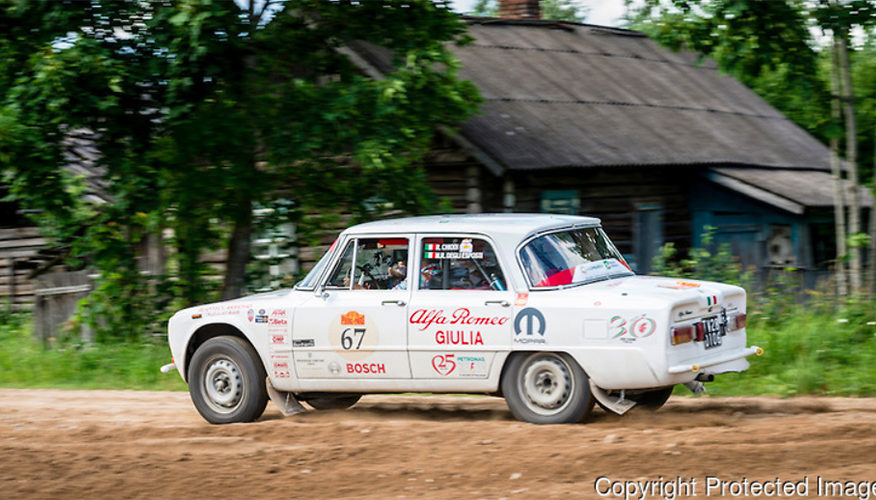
x,y
519,9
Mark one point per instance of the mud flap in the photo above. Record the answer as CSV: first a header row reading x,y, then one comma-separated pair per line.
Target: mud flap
x,y
617,405
285,401
696,387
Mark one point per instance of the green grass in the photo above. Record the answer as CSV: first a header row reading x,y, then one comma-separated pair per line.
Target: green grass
x,y
808,350
25,363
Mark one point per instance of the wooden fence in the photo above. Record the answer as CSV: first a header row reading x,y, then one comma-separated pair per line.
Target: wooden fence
x,y
18,248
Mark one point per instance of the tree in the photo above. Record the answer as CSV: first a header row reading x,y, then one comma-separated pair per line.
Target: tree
x,y
200,109
756,41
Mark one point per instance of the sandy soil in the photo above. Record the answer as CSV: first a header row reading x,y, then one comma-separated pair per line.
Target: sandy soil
x,y
121,444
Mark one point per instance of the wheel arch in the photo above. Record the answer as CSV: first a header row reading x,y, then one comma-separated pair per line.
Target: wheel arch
x,y
207,332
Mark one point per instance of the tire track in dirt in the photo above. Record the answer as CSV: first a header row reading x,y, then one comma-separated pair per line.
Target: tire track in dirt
x,y
126,444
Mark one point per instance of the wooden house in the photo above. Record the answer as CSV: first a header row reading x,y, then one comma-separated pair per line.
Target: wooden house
x,y
660,145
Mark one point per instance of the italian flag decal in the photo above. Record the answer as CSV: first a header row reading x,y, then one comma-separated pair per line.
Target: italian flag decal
x,y
432,247
712,300
432,255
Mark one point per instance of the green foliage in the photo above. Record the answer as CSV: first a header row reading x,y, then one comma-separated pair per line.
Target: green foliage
x,y
560,10
812,343
701,263
133,365
769,47
202,109
824,348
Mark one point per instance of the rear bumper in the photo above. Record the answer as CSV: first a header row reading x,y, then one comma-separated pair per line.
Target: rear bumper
x,y
717,360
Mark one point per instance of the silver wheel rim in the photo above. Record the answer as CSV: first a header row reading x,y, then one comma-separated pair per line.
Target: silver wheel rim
x,y
546,384
223,385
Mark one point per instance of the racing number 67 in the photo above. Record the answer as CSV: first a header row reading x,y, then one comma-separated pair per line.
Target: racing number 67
x,y
349,336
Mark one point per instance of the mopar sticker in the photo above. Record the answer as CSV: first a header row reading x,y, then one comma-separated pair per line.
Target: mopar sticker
x,y
527,323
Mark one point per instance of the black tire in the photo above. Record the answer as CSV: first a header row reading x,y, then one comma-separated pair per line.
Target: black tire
x,y
651,400
546,388
227,381
330,403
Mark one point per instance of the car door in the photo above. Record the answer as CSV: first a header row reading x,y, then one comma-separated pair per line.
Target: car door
x,y
355,325
460,310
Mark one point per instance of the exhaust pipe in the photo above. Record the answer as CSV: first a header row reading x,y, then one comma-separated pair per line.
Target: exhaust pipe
x,y
703,377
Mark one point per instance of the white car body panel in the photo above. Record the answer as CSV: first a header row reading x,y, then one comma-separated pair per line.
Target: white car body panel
x,y
458,340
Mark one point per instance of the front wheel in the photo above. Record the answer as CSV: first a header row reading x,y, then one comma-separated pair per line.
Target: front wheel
x,y
227,381
547,388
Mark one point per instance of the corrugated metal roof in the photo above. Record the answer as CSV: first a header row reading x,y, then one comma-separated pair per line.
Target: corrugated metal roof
x,y
791,190
572,95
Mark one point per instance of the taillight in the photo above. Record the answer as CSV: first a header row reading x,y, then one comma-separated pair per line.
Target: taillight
x,y
682,334
740,321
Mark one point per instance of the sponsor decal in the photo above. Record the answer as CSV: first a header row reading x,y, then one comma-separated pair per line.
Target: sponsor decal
x,y
521,299
597,304
353,318
679,285
458,337
223,309
280,367
303,343
444,364
462,250
366,368
310,364
461,316
334,368
527,323
353,335
276,313
639,327
471,365
261,317
249,315
278,339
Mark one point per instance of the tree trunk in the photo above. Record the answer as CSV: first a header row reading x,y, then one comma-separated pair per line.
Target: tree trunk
x,y
848,98
238,252
838,198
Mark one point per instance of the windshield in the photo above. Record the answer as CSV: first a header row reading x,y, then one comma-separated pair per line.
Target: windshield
x,y
573,257
309,281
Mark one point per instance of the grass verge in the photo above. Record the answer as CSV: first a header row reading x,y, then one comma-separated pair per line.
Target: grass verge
x,y
808,350
25,363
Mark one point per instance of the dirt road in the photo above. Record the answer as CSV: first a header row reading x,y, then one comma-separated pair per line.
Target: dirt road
x,y
120,444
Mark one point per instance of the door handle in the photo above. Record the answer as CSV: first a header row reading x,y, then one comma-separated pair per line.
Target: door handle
x,y
396,302
503,303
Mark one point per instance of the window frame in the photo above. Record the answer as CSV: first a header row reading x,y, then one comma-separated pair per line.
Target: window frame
x,y
354,240
506,278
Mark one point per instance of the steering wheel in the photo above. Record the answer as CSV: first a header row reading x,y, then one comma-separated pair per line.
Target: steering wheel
x,y
367,272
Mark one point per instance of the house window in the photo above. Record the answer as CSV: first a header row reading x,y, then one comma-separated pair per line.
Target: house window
x,y
560,202
647,235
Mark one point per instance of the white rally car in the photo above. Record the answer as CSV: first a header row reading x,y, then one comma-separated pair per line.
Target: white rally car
x,y
540,309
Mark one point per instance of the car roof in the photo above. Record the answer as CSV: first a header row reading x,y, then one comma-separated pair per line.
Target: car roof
x,y
507,225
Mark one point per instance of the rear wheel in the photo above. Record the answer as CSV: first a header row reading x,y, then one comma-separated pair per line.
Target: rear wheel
x,y
227,381
546,388
332,403
651,400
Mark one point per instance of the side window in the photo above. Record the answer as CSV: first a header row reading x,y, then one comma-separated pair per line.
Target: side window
x,y
380,264
459,264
